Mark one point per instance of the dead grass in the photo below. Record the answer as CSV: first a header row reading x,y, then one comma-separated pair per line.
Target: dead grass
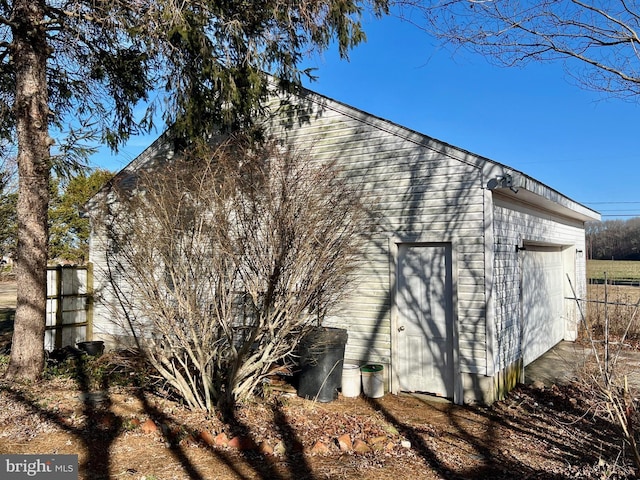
x,y
550,433
614,270
620,310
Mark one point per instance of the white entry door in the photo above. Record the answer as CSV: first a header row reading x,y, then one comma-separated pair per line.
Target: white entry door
x,y
542,301
425,319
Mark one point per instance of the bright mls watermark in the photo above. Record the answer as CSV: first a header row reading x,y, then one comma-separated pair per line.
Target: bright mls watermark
x,y
50,467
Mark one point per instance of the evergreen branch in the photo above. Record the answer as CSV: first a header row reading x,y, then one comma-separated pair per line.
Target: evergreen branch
x,y
7,22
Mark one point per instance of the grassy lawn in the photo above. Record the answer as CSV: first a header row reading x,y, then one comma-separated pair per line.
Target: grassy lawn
x,y
615,269
621,311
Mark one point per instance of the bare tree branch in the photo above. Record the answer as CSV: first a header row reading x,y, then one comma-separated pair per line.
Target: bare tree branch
x,y
598,41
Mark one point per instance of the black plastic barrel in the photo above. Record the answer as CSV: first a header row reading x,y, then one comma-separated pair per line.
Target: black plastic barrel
x,y
321,360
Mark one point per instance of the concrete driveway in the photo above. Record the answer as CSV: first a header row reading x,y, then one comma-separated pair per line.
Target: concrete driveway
x,y
569,361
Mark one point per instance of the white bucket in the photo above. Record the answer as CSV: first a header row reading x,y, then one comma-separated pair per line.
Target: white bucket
x,y
372,380
350,380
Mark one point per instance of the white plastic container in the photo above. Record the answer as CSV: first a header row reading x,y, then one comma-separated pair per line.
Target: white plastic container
x,y
372,380
350,380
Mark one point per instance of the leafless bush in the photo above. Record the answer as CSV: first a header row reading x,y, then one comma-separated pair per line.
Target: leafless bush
x,y
607,380
224,258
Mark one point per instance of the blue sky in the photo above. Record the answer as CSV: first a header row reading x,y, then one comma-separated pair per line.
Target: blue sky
x,y
534,119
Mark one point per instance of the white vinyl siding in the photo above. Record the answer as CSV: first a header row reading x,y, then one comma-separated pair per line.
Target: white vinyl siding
x,y
424,191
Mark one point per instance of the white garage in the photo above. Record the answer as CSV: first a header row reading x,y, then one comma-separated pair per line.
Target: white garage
x,y
466,274
539,255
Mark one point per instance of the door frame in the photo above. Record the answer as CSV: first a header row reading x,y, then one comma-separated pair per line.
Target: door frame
x,y
394,248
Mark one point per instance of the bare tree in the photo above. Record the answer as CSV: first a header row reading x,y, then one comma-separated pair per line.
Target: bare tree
x,y
613,398
223,260
597,40
615,239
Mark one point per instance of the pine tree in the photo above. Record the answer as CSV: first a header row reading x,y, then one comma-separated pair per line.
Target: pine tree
x,y
77,70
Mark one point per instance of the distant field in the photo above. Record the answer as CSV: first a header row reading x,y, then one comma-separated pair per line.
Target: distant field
x,y
615,270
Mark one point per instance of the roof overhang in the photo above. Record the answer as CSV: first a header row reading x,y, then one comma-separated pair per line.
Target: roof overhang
x,y
519,188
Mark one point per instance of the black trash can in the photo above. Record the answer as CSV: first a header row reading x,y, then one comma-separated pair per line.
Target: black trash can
x,y
321,361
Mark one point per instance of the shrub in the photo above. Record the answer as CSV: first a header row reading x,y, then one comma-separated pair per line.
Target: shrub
x,y
222,259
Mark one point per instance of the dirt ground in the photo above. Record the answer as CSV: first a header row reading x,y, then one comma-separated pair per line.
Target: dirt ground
x,y
125,432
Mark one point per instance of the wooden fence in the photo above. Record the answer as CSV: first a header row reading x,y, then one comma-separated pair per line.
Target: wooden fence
x,y
69,305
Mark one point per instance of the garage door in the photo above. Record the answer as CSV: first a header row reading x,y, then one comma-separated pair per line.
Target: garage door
x,y
542,300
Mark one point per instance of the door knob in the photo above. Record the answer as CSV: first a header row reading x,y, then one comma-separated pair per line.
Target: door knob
x,y
401,329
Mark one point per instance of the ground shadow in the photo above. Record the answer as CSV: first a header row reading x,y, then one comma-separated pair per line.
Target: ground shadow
x,y
492,456
101,427
479,430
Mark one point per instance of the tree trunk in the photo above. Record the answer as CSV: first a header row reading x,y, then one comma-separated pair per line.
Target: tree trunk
x,y
29,55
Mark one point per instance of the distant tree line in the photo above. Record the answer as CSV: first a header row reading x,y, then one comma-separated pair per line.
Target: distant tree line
x,y
614,239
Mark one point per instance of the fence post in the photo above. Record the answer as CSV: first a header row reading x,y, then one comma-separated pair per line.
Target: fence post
x,y
89,305
606,328
57,343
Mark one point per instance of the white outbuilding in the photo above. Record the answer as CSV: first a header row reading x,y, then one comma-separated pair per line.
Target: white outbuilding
x,y
468,279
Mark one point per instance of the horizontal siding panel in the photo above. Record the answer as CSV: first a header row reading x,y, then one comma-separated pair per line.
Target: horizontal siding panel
x,y
385,163
472,327
369,279
446,204
348,133
362,302
435,192
380,338
471,297
469,290
471,346
365,353
395,206
470,302
470,314
438,222
428,173
369,149
435,227
473,244
356,313
471,264
381,328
